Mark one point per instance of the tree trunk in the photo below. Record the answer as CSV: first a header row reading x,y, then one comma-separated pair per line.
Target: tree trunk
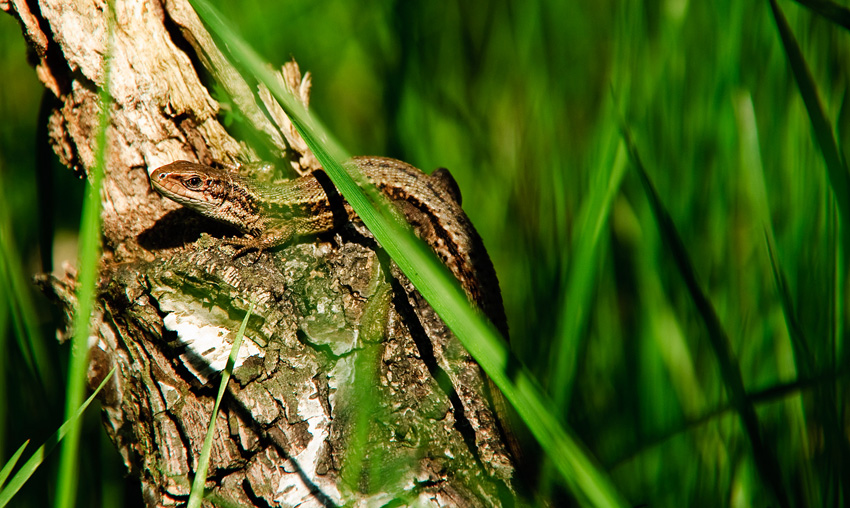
x,y
348,388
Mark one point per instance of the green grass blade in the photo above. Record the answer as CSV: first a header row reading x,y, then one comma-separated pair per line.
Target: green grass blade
x,y
802,353
7,468
365,403
589,483
8,263
755,183
39,455
839,181
576,301
720,343
19,301
777,392
364,399
757,188
836,171
89,255
197,494
832,11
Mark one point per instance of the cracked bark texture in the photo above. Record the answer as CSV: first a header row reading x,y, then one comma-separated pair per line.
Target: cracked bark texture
x,y
348,388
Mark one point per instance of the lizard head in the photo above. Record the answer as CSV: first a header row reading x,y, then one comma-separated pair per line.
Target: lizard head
x,y
212,192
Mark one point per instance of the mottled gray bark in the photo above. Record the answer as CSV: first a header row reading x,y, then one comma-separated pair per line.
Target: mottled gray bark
x,y
348,389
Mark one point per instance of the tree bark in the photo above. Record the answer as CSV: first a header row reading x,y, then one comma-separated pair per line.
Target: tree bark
x,y
348,388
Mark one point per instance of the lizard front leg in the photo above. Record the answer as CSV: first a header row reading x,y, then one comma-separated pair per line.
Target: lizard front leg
x,y
276,233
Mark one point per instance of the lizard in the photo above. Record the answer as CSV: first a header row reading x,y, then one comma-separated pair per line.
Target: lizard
x,y
273,214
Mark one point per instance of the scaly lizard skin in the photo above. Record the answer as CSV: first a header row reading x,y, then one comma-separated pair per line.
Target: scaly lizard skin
x,y
274,214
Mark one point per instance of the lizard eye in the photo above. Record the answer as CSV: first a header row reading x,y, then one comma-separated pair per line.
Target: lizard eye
x,y
193,182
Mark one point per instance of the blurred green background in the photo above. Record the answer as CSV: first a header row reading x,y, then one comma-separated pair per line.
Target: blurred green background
x,y
523,102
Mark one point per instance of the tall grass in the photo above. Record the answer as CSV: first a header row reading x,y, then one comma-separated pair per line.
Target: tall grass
x,y
524,104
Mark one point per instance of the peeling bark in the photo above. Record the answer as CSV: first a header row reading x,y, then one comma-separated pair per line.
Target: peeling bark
x,y
349,389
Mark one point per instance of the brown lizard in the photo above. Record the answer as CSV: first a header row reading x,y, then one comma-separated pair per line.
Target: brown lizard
x,y
274,214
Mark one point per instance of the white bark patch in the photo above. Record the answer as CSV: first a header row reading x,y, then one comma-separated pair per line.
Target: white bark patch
x,y
207,335
292,491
